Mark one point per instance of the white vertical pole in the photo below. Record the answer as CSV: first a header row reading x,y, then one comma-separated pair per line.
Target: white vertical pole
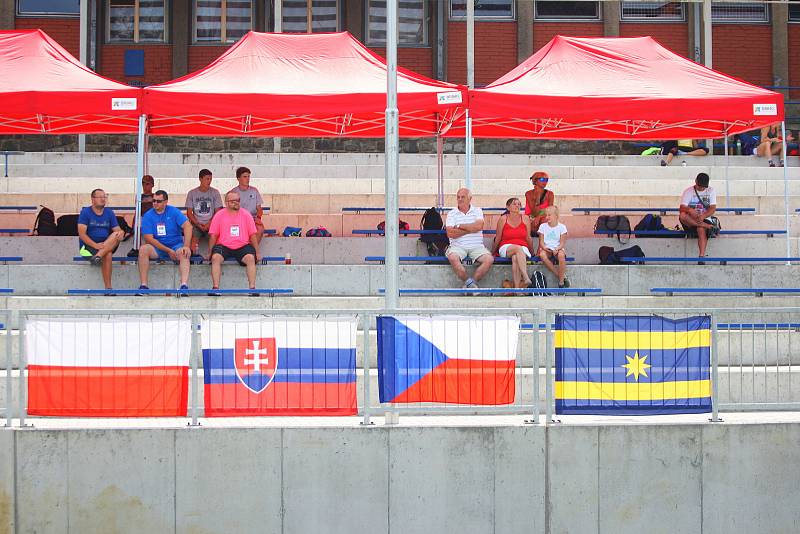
x,y
727,164
83,52
277,28
786,190
471,85
439,171
392,161
140,171
708,50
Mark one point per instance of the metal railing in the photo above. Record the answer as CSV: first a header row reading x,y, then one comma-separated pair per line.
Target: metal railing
x,y
753,365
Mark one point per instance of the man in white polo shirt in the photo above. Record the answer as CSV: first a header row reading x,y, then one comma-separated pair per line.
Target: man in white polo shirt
x,y
465,229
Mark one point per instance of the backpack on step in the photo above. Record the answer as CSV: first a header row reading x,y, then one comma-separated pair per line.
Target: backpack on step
x,y
436,243
649,223
45,223
609,256
67,225
539,282
614,224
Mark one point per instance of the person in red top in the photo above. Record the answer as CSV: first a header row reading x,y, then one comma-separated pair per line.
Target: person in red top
x,y
538,199
233,234
513,240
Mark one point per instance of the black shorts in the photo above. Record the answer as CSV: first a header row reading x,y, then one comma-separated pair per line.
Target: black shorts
x,y
238,253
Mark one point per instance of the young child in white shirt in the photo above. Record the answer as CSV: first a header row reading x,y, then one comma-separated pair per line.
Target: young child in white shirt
x,y
552,239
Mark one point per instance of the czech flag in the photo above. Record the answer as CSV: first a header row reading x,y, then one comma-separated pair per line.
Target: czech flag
x,y
279,366
108,367
447,359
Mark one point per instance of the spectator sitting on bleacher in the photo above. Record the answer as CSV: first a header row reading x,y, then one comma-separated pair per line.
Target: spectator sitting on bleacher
x,y
233,235
698,202
167,234
552,240
464,226
251,200
772,144
201,204
683,147
99,233
513,240
537,199
146,202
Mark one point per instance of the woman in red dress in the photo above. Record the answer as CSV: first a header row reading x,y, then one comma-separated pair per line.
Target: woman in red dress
x,y
513,240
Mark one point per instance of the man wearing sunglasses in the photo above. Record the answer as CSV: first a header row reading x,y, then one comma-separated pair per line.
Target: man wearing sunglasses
x,y
167,234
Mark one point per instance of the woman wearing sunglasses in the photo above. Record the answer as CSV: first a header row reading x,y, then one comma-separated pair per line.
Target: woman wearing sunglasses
x,y
538,199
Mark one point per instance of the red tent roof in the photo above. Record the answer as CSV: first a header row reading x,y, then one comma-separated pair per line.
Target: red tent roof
x,y
44,89
301,85
617,88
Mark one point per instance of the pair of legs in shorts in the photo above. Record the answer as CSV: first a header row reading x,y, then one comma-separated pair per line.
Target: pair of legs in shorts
x,y
246,256
104,255
556,264
148,252
480,254
519,263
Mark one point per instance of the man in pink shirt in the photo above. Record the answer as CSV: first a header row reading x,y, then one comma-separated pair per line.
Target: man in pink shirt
x,y
233,234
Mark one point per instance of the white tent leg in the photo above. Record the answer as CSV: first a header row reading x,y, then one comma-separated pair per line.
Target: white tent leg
x,y
468,154
727,165
786,191
141,166
439,171
392,162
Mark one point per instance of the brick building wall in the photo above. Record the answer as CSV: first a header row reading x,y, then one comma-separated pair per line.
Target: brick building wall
x,y
794,59
672,36
157,63
495,51
543,32
748,58
65,31
201,55
420,60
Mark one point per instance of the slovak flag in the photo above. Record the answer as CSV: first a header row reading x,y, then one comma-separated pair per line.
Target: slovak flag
x,y
447,359
279,366
108,367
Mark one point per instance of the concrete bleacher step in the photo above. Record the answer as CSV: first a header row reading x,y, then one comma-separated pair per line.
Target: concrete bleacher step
x,y
746,384
366,280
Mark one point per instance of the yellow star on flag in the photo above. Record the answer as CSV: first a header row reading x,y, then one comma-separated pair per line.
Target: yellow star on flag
x,y
636,366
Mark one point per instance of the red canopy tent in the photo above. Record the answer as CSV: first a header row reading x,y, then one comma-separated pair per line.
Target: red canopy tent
x,y
45,90
287,85
616,88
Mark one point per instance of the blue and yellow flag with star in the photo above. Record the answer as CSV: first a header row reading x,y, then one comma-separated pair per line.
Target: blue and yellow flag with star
x,y
632,365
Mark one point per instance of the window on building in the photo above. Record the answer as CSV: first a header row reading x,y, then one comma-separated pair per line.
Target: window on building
x,y
652,11
411,20
739,12
552,10
305,16
484,9
48,7
136,21
222,21
794,11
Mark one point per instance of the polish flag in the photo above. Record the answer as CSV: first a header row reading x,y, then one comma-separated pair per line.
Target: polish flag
x,y
454,360
108,367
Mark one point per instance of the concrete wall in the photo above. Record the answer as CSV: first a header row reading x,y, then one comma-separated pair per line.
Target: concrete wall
x,y
673,478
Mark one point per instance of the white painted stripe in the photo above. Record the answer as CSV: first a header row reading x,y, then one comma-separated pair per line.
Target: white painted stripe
x,y
294,332
469,338
108,342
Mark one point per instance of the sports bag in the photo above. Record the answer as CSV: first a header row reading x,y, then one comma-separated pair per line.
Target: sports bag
x,y
650,223
292,231
45,223
609,256
67,225
539,282
319,231
618,224
436,243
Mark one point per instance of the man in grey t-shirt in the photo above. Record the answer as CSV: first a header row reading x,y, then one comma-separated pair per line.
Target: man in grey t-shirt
x,y
201,204
251,200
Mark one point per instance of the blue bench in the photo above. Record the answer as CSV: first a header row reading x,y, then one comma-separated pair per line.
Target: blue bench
x,y
18,208
179,292
443,259
707,259
579,291
182,208
10,258
408,209
197,260
757,291
662,211
14,231
681,233
411,232
6,290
